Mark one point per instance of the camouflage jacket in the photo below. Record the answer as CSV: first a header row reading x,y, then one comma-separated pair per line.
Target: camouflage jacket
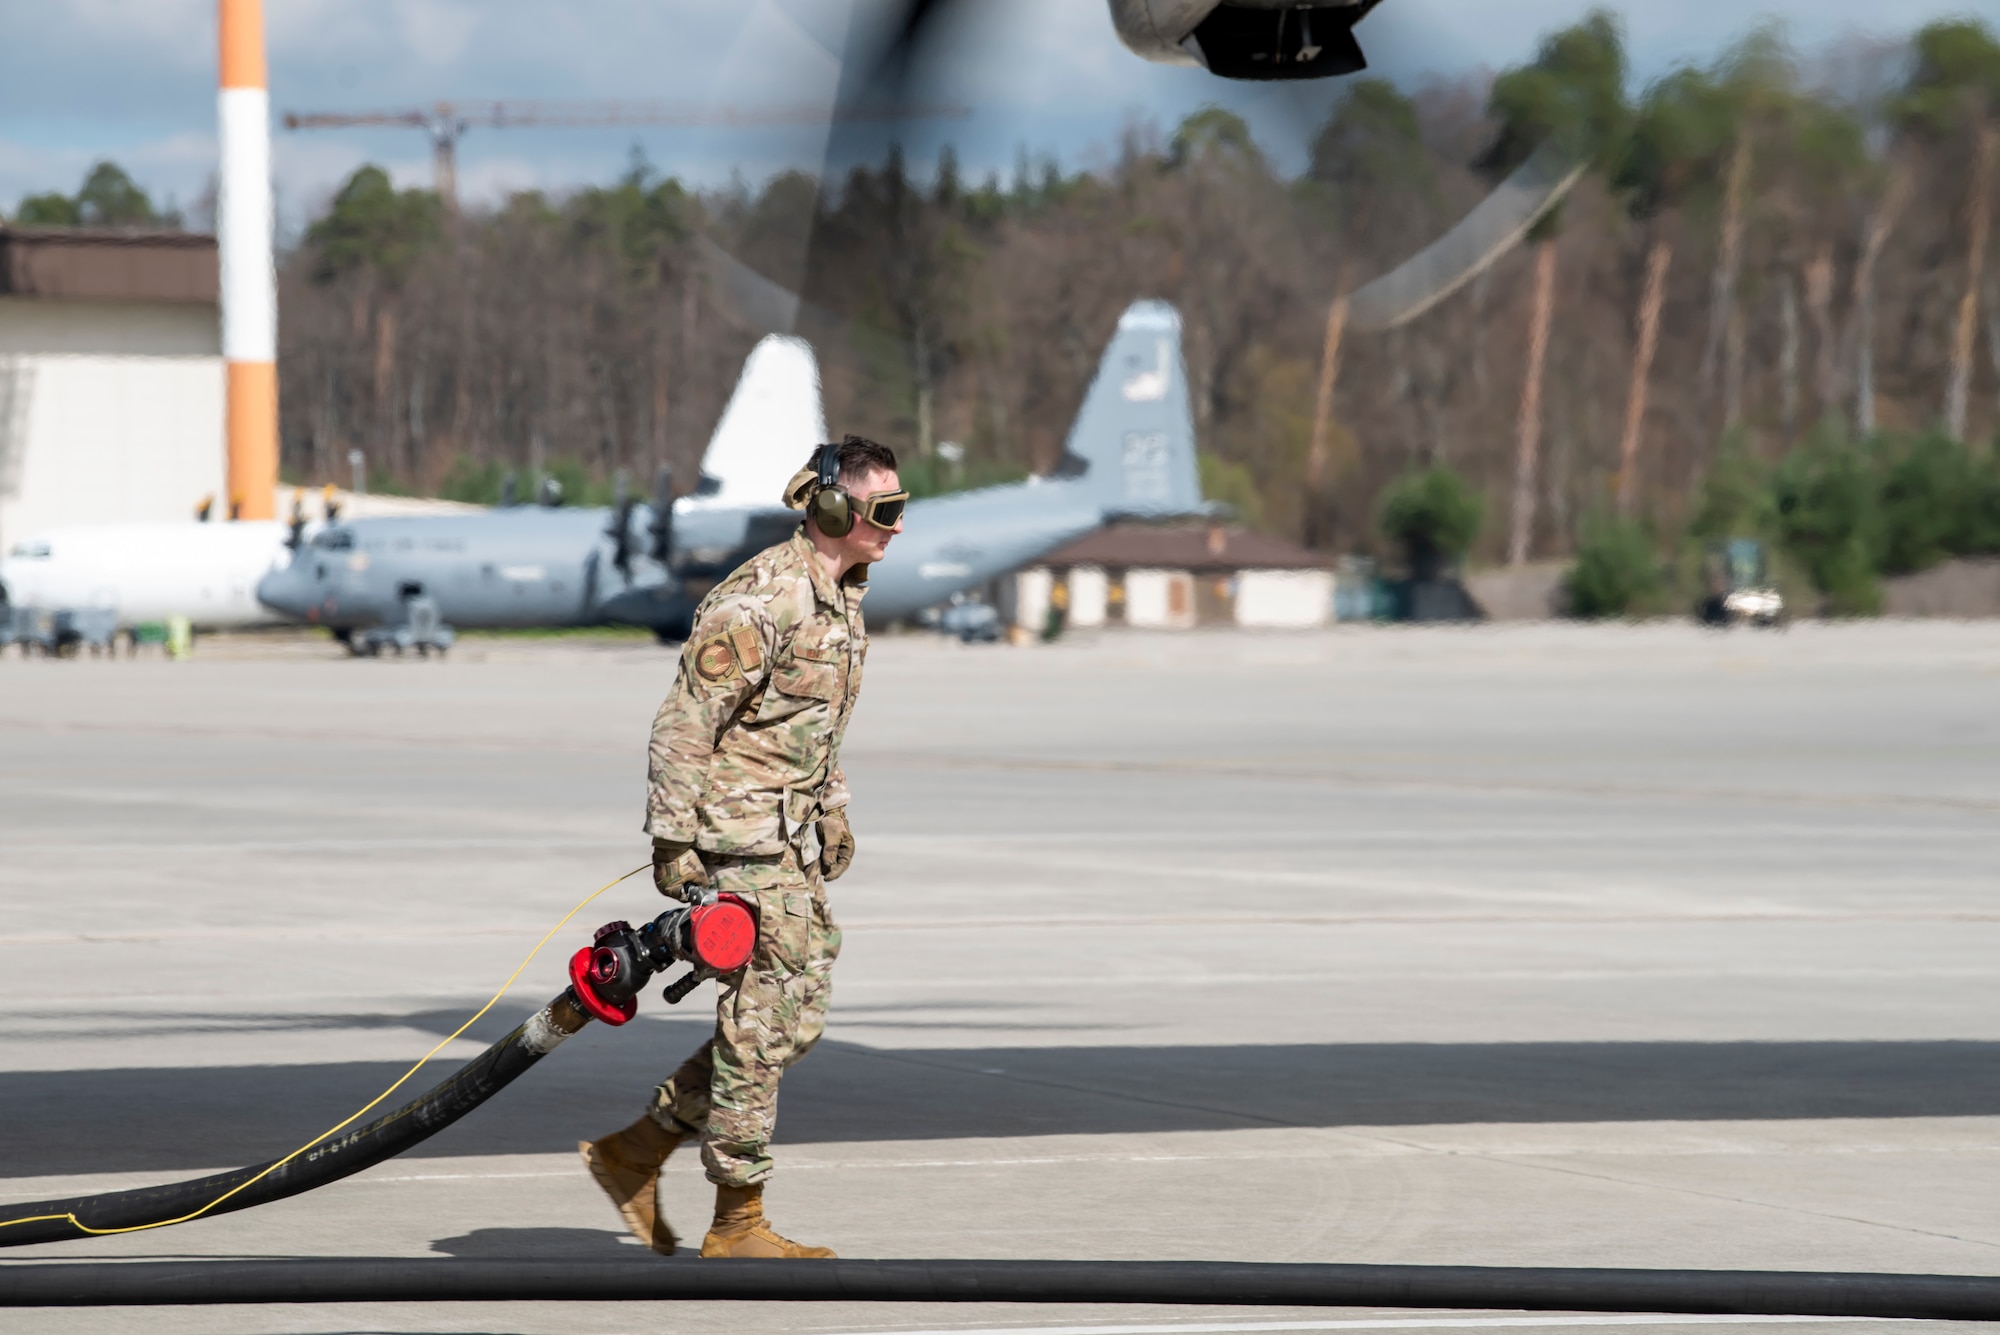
x,y
746,747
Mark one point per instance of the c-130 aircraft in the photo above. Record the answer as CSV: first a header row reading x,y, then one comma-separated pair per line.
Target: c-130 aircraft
x,y
411,582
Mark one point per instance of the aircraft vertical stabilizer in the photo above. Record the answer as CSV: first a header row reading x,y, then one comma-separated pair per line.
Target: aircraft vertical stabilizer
x,y
1134,439
768,431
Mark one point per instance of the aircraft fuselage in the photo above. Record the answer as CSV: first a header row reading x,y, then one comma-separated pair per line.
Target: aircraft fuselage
x,y
512,567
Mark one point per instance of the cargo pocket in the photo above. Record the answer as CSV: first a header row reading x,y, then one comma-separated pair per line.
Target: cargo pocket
x,y
784,929
827,932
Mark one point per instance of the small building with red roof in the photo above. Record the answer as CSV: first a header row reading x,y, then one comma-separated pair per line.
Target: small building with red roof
x,y
1175,576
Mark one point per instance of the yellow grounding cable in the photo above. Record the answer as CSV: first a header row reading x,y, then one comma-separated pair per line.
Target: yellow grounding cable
x,y
365,1108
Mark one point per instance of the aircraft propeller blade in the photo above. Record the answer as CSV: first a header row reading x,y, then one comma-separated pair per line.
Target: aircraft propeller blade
x,y
663,516
620,528
1494,227
748,297
884,64
900,28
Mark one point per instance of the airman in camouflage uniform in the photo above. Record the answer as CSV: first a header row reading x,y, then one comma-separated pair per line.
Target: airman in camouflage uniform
x,y
746,795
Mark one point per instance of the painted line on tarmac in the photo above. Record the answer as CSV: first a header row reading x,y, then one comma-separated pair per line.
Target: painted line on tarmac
x,y
1399,1323
843,1165
1528,918
327,844
292,737
1291,770
1116,982
301,932
342,931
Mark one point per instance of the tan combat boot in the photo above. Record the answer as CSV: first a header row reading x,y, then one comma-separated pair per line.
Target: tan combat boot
x,y
627,1165
740,1228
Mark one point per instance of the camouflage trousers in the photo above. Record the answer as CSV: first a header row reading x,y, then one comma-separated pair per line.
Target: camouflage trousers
x,y
766,1017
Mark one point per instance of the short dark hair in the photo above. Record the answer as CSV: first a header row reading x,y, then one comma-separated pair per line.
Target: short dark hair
x,y
859,456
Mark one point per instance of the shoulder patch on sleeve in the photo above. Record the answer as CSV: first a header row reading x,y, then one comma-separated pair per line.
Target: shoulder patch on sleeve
x,y
748,653
715,658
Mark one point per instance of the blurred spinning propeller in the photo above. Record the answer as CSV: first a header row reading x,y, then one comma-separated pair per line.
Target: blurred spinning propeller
x,y
889,63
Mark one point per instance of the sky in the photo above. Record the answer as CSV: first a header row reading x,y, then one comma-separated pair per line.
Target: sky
x,y
133,80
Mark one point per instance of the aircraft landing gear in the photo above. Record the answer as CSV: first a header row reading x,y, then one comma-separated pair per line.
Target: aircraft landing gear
x,y
422,630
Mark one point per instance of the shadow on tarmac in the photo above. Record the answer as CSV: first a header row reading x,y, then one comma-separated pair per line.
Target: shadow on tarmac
x,y
545,1244
145,1120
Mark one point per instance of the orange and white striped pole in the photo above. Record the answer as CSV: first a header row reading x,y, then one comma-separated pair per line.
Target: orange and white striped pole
x,y
249,282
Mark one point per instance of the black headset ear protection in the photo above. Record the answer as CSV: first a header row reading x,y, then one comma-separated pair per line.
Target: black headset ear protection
x,y
831,508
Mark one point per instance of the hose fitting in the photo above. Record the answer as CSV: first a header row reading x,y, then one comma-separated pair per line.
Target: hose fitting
x,y
715,935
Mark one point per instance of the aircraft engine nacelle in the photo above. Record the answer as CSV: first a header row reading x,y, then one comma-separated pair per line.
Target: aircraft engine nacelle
x,y
1246,39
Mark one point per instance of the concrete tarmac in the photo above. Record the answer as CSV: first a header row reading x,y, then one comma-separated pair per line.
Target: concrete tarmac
x,y
1546,945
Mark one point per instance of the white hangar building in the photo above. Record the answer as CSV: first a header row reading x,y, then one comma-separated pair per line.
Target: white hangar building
x,y
111,380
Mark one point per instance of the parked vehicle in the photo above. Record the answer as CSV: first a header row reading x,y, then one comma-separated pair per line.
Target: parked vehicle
x,y
1740,591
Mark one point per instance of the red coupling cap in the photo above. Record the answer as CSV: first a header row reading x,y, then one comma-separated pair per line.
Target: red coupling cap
x,y
583,980
723,934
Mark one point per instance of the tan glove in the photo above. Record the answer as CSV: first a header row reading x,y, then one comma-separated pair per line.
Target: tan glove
x,y
836,844
676,866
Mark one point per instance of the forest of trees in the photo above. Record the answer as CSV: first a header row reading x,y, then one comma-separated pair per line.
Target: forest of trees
x,y
1768,261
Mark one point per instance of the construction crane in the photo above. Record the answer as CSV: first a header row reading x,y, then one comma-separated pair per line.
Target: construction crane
x,y
446,122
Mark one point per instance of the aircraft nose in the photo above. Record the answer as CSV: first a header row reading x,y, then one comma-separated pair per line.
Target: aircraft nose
x,y
284,590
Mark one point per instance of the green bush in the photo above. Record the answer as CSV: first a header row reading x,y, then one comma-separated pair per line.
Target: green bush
x,y
1234,485
1616,572
580,486
477,483
1980,532
1843,515
1939,498
485,482
1923,502
1825,495
1435,515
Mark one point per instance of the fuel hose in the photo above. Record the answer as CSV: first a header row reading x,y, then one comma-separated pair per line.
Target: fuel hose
x,y
340,1152
328,1160
1209,1283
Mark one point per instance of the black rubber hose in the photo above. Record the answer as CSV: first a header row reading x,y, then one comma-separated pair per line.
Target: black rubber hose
x,y
1754,1292
342,1155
